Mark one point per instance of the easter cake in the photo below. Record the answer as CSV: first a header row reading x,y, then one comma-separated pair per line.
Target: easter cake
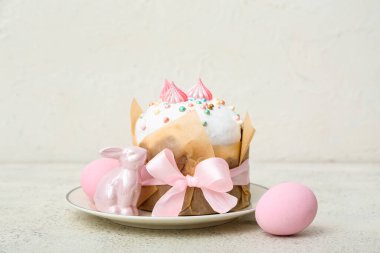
x,y
194,126
189,157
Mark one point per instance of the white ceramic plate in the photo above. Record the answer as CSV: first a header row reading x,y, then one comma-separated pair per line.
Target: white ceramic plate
x,y
77,199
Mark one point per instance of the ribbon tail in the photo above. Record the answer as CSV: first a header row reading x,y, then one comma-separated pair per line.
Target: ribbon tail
x,y
240,174
170,204
220,202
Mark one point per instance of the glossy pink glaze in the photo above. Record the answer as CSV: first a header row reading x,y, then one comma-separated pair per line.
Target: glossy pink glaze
x,y
286,209
93,172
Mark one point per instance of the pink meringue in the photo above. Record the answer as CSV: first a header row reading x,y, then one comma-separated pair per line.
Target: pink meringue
x,y
165,88
174,95
199,91
183,94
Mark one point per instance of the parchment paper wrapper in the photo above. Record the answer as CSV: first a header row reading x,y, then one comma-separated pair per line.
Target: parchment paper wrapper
x,y
188,140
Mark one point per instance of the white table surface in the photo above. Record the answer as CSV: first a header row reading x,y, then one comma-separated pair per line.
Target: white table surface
x,y
34,216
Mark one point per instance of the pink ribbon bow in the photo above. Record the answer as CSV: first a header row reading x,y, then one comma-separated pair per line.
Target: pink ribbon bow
x,y
212,176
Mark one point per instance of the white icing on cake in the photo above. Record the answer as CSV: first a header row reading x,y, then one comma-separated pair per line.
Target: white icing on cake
x,y
221,123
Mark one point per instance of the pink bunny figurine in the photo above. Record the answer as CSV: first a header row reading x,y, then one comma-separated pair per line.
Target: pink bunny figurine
x,y
119,190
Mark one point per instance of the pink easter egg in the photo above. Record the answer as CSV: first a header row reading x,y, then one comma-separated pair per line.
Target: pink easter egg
x,y
286,209
93,172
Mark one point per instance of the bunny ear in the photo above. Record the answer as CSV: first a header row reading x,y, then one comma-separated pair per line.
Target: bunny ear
x,y
111,152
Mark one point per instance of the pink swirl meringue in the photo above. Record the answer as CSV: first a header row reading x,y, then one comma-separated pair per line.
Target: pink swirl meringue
x,y
183,94
199,91
174,95
165,88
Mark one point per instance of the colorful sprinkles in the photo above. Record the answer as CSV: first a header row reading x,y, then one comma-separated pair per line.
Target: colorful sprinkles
x,y
200,100
192,103
219,102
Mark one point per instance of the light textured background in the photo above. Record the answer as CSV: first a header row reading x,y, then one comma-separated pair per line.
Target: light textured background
x,y
307,71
